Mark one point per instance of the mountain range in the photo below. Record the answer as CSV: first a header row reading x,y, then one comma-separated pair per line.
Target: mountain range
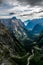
x,y
13,52
18,44
31,25
27,29
16,27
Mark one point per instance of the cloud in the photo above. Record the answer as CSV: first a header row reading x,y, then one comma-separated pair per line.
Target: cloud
x,y
31,2
0,1
26,2
32,9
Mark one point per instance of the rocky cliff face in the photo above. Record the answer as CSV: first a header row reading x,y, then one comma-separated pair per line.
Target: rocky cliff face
x,y
9,47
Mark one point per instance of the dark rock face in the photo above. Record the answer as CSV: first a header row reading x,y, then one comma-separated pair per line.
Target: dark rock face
x,y
11,51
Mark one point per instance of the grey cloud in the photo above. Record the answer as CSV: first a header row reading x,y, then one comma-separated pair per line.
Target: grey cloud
x,y
31,2
39,11
27,14
11,13
41,16
33,13
0,1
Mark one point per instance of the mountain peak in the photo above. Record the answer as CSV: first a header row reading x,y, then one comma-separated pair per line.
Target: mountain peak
x,y
14,18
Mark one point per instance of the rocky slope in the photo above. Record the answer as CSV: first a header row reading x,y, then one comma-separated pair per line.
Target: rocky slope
x,y
16,27
11,51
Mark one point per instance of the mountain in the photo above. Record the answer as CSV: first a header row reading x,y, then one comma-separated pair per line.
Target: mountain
x,y
7,23
20,31
34,28
16,27
40,40
11,50
31,23
7,38
26,22
30,26
37,29
35,33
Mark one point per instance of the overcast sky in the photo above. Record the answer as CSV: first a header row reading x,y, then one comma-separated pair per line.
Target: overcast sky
x,y
23,9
